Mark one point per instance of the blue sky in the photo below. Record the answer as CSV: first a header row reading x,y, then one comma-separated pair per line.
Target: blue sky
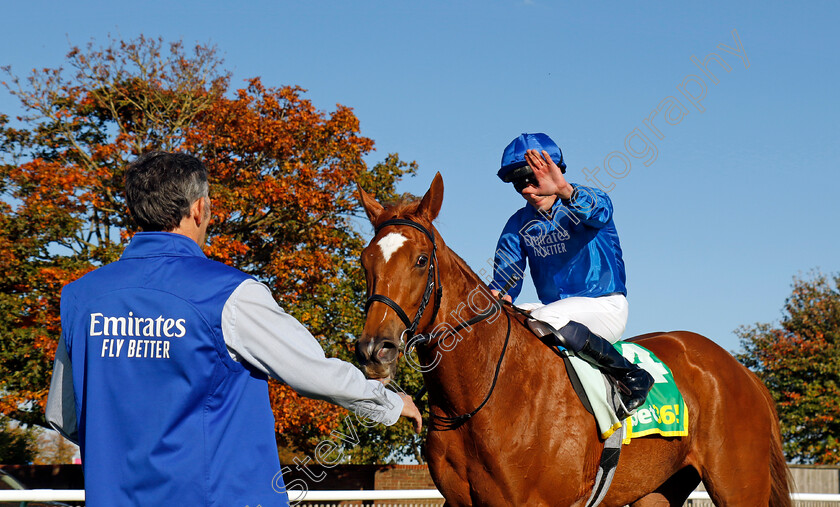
x,y
740,197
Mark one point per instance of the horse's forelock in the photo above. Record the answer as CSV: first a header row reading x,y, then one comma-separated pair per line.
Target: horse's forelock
x,y
401,209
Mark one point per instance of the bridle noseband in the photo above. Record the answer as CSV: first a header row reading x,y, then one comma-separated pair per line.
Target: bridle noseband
x,y
432,281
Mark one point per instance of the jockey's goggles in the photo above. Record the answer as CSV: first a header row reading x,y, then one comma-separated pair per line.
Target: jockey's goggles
x,y
523,179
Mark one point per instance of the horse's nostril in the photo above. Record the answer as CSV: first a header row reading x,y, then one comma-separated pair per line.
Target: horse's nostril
x,y
387,353
364,351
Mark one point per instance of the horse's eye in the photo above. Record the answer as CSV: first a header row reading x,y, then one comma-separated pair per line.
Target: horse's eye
x,y
422,261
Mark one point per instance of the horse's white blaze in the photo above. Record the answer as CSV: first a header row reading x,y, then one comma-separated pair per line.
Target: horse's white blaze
x,y
390,244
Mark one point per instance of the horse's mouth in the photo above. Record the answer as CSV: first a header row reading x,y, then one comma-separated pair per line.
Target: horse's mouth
x,y
381,372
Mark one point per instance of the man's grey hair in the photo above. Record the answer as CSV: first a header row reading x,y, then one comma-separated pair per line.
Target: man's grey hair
x,y
160,187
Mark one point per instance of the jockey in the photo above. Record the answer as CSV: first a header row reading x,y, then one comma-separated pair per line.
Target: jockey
x,y
567,236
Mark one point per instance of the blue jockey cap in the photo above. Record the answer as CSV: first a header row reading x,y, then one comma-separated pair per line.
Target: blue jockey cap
x,y
514,156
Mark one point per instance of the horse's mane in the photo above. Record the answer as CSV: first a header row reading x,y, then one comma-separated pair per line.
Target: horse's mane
x,y
463,266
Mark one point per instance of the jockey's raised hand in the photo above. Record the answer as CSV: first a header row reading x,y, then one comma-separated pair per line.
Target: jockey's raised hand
x,y
549,176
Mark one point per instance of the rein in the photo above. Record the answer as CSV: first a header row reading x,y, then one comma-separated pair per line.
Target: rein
x,y
446,423
440,423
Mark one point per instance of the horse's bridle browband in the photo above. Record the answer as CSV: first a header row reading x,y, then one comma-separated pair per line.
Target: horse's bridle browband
x,y
432,281
442,422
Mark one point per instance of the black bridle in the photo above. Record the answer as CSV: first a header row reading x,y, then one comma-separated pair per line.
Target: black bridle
x,y
432,281
442,423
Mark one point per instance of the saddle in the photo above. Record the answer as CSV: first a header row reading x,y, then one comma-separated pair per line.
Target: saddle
x,y
599,394
664,412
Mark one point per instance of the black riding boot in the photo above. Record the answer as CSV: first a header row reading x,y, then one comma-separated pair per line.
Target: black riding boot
x,y
634,383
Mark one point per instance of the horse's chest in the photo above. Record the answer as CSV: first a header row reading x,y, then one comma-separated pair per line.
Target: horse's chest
x,y
507,468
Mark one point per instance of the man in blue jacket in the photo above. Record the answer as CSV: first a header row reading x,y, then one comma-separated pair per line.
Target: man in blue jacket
x,y
160,372
567,235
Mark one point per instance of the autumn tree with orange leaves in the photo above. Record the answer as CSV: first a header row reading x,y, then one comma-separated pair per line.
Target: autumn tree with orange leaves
x,y
799,361
282,179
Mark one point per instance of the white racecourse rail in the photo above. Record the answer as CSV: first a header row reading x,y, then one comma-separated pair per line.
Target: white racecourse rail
x,y
77,495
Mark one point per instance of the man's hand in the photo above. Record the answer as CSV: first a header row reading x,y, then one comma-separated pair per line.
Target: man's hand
x,y
410,411
506,297
549,176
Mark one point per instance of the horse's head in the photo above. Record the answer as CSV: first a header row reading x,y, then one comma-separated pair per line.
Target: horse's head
x,y
400,269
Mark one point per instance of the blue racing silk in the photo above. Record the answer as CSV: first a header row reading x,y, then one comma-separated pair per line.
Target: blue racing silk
x,y
572,250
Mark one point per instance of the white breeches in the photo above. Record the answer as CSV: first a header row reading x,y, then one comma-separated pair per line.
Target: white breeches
x,y
605,316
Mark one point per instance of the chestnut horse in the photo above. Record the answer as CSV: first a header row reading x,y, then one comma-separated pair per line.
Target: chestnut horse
x,y
530,441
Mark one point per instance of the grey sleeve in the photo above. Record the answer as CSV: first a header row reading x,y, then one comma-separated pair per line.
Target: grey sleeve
x,y
256,330
61,402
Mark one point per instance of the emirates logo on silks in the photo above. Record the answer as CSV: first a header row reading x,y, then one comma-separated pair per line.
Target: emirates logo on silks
x,y
544,238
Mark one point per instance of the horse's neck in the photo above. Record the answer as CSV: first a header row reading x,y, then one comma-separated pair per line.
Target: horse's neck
x,y
465,360
465,295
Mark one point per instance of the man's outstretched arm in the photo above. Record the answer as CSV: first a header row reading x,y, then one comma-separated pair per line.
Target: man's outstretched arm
x,y
259,332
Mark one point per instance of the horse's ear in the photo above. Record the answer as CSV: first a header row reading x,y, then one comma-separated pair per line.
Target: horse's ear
x,y
432,201
371,206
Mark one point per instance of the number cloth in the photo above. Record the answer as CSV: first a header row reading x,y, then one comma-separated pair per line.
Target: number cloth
x,y
664,411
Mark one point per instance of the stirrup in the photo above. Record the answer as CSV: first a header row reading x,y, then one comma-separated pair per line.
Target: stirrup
x,y
622,411
626,395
